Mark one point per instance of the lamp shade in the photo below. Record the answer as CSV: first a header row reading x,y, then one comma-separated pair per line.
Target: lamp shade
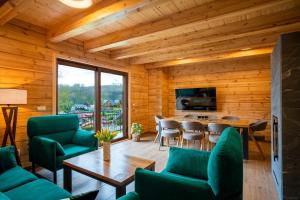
x,y
13,96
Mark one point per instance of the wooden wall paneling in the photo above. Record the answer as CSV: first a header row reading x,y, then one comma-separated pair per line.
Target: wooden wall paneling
x,y
28,62
243,87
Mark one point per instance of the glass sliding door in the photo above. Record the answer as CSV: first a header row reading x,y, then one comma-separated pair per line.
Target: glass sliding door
x,y
76,94
113,102
98,96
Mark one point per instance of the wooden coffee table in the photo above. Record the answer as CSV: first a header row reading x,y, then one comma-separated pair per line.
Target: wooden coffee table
x,y
118,172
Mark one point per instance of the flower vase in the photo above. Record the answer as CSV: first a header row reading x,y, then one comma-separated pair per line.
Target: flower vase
x,y
106,151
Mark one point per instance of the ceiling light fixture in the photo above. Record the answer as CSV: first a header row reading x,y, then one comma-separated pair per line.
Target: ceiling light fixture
x,y
77,3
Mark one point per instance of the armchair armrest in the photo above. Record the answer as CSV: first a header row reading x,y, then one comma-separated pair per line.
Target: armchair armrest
x,y
188,162
130,196
85,138
7,158
151,185
43,152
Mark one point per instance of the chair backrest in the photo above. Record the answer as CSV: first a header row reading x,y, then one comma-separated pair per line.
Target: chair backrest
x,y
192,126
52,124
231,118
225,166
260,125
157,118
217,128
191,116
169,124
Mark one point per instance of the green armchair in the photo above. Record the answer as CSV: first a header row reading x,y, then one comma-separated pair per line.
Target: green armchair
x,y
193,174
55,138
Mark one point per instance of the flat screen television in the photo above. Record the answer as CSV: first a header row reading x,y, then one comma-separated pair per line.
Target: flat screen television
x,y
202,99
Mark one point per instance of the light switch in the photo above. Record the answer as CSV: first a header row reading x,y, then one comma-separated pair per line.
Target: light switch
x,y
41,108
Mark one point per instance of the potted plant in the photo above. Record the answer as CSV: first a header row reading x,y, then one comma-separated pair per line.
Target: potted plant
x,y
136,131
105,136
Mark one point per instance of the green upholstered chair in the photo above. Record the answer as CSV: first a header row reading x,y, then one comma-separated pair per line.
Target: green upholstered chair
x,y
193,174
55,138
17,183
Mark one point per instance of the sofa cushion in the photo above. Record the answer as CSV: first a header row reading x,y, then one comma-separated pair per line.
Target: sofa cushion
x,y
7,158
130,196
188,162
184,178
39,189
15,177
225,165
62,137
72,150
52,124
3,196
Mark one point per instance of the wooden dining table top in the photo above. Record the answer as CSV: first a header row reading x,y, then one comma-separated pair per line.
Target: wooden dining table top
x,y
242,123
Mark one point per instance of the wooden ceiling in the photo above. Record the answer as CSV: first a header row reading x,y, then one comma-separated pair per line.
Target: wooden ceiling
x,y
161,33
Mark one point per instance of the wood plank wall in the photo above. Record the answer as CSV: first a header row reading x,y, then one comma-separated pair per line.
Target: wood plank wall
x,y
28,61
243,87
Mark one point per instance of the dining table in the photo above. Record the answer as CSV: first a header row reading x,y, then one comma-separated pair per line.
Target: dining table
x,y
242,124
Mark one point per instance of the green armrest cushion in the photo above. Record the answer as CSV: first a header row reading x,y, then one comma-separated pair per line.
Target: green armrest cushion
x,y
130,196
59,148
225,165
159,186
188,162
3,196
85,138
7,158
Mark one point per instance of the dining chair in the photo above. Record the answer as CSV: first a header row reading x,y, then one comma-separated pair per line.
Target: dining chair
x,y
170,129
231,118
260,125
215,130
157,126
191,116
192,131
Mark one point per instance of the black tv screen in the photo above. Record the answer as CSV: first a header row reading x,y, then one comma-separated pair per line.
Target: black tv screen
x,y
203,99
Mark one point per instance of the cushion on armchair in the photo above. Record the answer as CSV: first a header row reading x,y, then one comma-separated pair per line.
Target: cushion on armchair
x,y
63,137
225,165
188,162
85,138
7,158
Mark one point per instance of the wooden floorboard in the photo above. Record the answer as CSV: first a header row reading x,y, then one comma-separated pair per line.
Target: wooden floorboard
x,y
258,183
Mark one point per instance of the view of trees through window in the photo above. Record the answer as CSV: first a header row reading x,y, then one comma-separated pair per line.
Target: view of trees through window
x,y
76,95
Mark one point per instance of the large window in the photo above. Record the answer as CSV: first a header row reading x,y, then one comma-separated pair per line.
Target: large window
x,y
98,96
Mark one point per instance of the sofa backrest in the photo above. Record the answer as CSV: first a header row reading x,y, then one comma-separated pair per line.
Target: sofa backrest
x,y
225,166
52,124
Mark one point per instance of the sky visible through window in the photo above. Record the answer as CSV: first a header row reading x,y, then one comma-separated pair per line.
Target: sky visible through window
x,y
72,75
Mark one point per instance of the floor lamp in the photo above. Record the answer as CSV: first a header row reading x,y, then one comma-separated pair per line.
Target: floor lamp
x,y
11,97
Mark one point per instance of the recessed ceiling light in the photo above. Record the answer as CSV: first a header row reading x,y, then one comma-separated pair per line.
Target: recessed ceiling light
x,y
245,49
77,3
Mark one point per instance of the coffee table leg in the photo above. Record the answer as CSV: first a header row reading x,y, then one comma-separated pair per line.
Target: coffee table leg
x,y
67,179
120,191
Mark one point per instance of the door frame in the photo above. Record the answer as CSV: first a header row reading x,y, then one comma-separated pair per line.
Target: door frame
x,y
98,71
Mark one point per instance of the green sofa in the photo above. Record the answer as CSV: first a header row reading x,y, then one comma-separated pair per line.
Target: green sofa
x,y
17,183
55,138
193,174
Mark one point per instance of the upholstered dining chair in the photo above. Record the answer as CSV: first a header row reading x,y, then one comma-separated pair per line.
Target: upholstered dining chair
x,y
170,129
192,131
231,118
257,127
215,130
157,126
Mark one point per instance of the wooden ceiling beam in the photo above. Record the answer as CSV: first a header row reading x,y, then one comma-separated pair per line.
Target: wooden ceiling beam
x,y
100,14
213,57
11,8
216,34
251,42
183,22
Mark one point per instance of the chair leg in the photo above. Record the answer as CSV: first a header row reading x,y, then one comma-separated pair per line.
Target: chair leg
x,y
55,177
33,167
201,144
181,145
156,137
258,146
167,141
187,143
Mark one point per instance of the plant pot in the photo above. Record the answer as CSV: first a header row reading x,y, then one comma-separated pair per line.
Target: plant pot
x,y
106,151
136,137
